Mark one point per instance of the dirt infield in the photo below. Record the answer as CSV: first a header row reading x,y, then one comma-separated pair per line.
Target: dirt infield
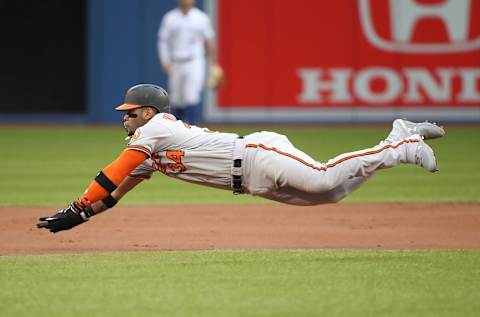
x,y
349,226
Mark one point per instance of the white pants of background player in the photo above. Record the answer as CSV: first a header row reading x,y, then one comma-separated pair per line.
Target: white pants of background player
x,y
186,82
274,169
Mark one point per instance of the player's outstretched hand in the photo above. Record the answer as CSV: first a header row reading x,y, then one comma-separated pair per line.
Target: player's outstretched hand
x,y
63,220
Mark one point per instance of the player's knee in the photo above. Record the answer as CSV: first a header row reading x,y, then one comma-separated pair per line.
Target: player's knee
x,y
323,185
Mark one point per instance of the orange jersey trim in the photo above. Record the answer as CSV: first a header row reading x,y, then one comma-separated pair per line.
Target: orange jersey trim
x,y
140,148
324,168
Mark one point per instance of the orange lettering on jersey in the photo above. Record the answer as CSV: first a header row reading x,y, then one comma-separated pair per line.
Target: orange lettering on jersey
x,y
176,156
157,163
168,168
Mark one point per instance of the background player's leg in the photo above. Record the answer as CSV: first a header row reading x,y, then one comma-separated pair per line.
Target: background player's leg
x,y
193,86
175,84
192,113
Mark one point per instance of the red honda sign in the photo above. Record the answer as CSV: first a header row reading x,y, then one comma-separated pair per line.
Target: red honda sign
x,y
346,53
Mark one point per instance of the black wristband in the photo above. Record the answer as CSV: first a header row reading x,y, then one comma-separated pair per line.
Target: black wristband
x,y
109,201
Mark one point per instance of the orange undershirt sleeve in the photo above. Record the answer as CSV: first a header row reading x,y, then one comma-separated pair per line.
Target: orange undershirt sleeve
x,y
116,173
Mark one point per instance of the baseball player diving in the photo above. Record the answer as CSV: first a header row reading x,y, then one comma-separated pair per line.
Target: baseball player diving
x,y
264,163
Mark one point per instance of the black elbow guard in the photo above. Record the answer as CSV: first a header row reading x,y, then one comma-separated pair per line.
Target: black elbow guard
x,y
105,182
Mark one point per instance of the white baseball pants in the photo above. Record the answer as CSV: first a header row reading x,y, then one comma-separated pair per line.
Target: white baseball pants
x,y
186,82
274,169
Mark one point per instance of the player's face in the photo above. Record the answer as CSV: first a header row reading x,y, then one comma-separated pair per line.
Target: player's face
x,y
133,119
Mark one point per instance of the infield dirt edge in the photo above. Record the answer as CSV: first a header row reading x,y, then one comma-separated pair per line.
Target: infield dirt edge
x,y
379,226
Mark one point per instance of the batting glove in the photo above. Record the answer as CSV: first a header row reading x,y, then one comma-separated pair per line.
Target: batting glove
x,y
65,219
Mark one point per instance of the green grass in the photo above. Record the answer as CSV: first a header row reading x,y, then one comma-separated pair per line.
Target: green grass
x,y
268,283
53,165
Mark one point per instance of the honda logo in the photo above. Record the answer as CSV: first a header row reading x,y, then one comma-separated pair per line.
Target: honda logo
x,y
404,17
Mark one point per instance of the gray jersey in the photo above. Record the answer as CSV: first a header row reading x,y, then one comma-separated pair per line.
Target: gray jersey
x,y
186,152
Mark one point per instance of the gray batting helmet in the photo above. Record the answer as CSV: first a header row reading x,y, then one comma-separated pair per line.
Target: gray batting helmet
x,y
146,95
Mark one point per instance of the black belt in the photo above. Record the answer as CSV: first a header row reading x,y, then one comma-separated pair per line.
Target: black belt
x,y
237,177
